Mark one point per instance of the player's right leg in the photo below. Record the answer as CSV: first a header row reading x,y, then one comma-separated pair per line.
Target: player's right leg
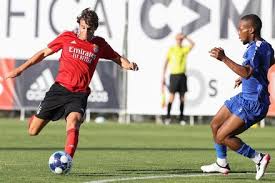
x,y
74,115
221,165
173,84
36,125
167,119
74,121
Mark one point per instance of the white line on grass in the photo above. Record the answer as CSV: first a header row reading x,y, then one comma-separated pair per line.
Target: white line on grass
x,y
166,176
149,177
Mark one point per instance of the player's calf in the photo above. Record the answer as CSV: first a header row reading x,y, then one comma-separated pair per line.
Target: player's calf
x,y
31,129
36,125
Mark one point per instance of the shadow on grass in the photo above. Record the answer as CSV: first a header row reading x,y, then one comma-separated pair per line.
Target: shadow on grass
x,y
140,172
153,172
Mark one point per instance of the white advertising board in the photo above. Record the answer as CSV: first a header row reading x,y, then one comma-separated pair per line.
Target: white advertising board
x,y
209,23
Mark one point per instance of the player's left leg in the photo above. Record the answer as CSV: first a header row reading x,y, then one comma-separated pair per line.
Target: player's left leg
x,y
182,121
74,121
74,115
36,125
172,90
167,120
182,90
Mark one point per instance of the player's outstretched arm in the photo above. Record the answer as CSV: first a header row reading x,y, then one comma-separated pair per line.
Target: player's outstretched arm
x,y
243,71
126,64
39,56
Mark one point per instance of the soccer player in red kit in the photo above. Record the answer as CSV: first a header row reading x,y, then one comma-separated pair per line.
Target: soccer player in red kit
x,y
81,51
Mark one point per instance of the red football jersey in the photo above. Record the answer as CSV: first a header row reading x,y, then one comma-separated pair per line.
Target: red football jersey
x,y
79,59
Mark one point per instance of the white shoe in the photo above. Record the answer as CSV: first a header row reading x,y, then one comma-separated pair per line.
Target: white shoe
x,y
182,122
262,165
167,121
215,168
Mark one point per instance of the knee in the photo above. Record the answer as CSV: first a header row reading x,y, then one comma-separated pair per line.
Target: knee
x,y
74,120
33,132
219,139
214,126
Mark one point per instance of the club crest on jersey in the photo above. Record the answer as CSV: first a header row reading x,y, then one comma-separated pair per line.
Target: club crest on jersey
x,y
95,49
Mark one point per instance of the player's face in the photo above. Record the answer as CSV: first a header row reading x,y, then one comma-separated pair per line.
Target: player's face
x,y
179,38
243,31
179,41
85,31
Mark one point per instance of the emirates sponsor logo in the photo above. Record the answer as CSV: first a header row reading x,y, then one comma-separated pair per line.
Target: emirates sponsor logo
x,y
41,85
83,55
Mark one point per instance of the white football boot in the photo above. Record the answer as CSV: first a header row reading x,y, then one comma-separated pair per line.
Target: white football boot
x,y
262,165
167,121
213,168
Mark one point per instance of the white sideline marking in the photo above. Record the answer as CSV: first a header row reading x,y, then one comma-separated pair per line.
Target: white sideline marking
x,y
167,176
149,177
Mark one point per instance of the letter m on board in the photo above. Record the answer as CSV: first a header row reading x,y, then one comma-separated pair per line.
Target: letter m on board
x,y
228,11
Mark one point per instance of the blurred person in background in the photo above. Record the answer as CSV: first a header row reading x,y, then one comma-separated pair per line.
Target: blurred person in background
x,y
249,106
176,61
81,51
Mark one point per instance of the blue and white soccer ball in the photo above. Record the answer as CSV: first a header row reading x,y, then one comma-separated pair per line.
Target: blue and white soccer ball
x,y
60,163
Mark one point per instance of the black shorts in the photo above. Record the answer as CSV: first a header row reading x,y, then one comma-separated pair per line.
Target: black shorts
x,y
178,83
59,101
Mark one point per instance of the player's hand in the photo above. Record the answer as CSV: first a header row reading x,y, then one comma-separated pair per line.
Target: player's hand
x,y
217,53
238,82
133,66
12,74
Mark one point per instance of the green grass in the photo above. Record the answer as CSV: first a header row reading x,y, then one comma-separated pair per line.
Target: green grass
x,y
111,151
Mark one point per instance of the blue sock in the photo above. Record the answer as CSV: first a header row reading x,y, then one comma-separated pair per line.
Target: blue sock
x,y
246,151
221,151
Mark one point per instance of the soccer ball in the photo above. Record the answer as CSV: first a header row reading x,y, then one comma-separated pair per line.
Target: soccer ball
x,y
60,163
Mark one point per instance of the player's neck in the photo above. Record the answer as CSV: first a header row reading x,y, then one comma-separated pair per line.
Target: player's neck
x,y
85,38
255,38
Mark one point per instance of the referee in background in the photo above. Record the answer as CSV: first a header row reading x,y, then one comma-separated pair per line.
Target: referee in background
x,y
176,61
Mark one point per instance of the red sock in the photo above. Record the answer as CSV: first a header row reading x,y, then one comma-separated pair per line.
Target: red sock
x,y
71,141
30,121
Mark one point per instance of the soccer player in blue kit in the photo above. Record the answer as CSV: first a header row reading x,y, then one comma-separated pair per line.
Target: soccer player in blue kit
x,y
249,106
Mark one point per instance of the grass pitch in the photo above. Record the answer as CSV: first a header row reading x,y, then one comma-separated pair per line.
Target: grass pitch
x,y
126,153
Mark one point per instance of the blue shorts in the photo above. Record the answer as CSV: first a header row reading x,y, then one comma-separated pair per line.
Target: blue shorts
x,y
249,111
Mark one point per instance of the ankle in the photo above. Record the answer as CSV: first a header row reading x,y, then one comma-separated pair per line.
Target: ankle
x,y
222,162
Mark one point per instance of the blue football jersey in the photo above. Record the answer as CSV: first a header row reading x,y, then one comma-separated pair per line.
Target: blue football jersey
x,y
258,55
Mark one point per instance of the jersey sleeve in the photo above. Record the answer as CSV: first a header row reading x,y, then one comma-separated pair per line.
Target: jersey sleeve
x,y
253,58
57,43
186,49
107,51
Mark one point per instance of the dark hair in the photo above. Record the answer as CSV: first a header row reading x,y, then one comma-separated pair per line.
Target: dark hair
x,y
256,22
90,17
